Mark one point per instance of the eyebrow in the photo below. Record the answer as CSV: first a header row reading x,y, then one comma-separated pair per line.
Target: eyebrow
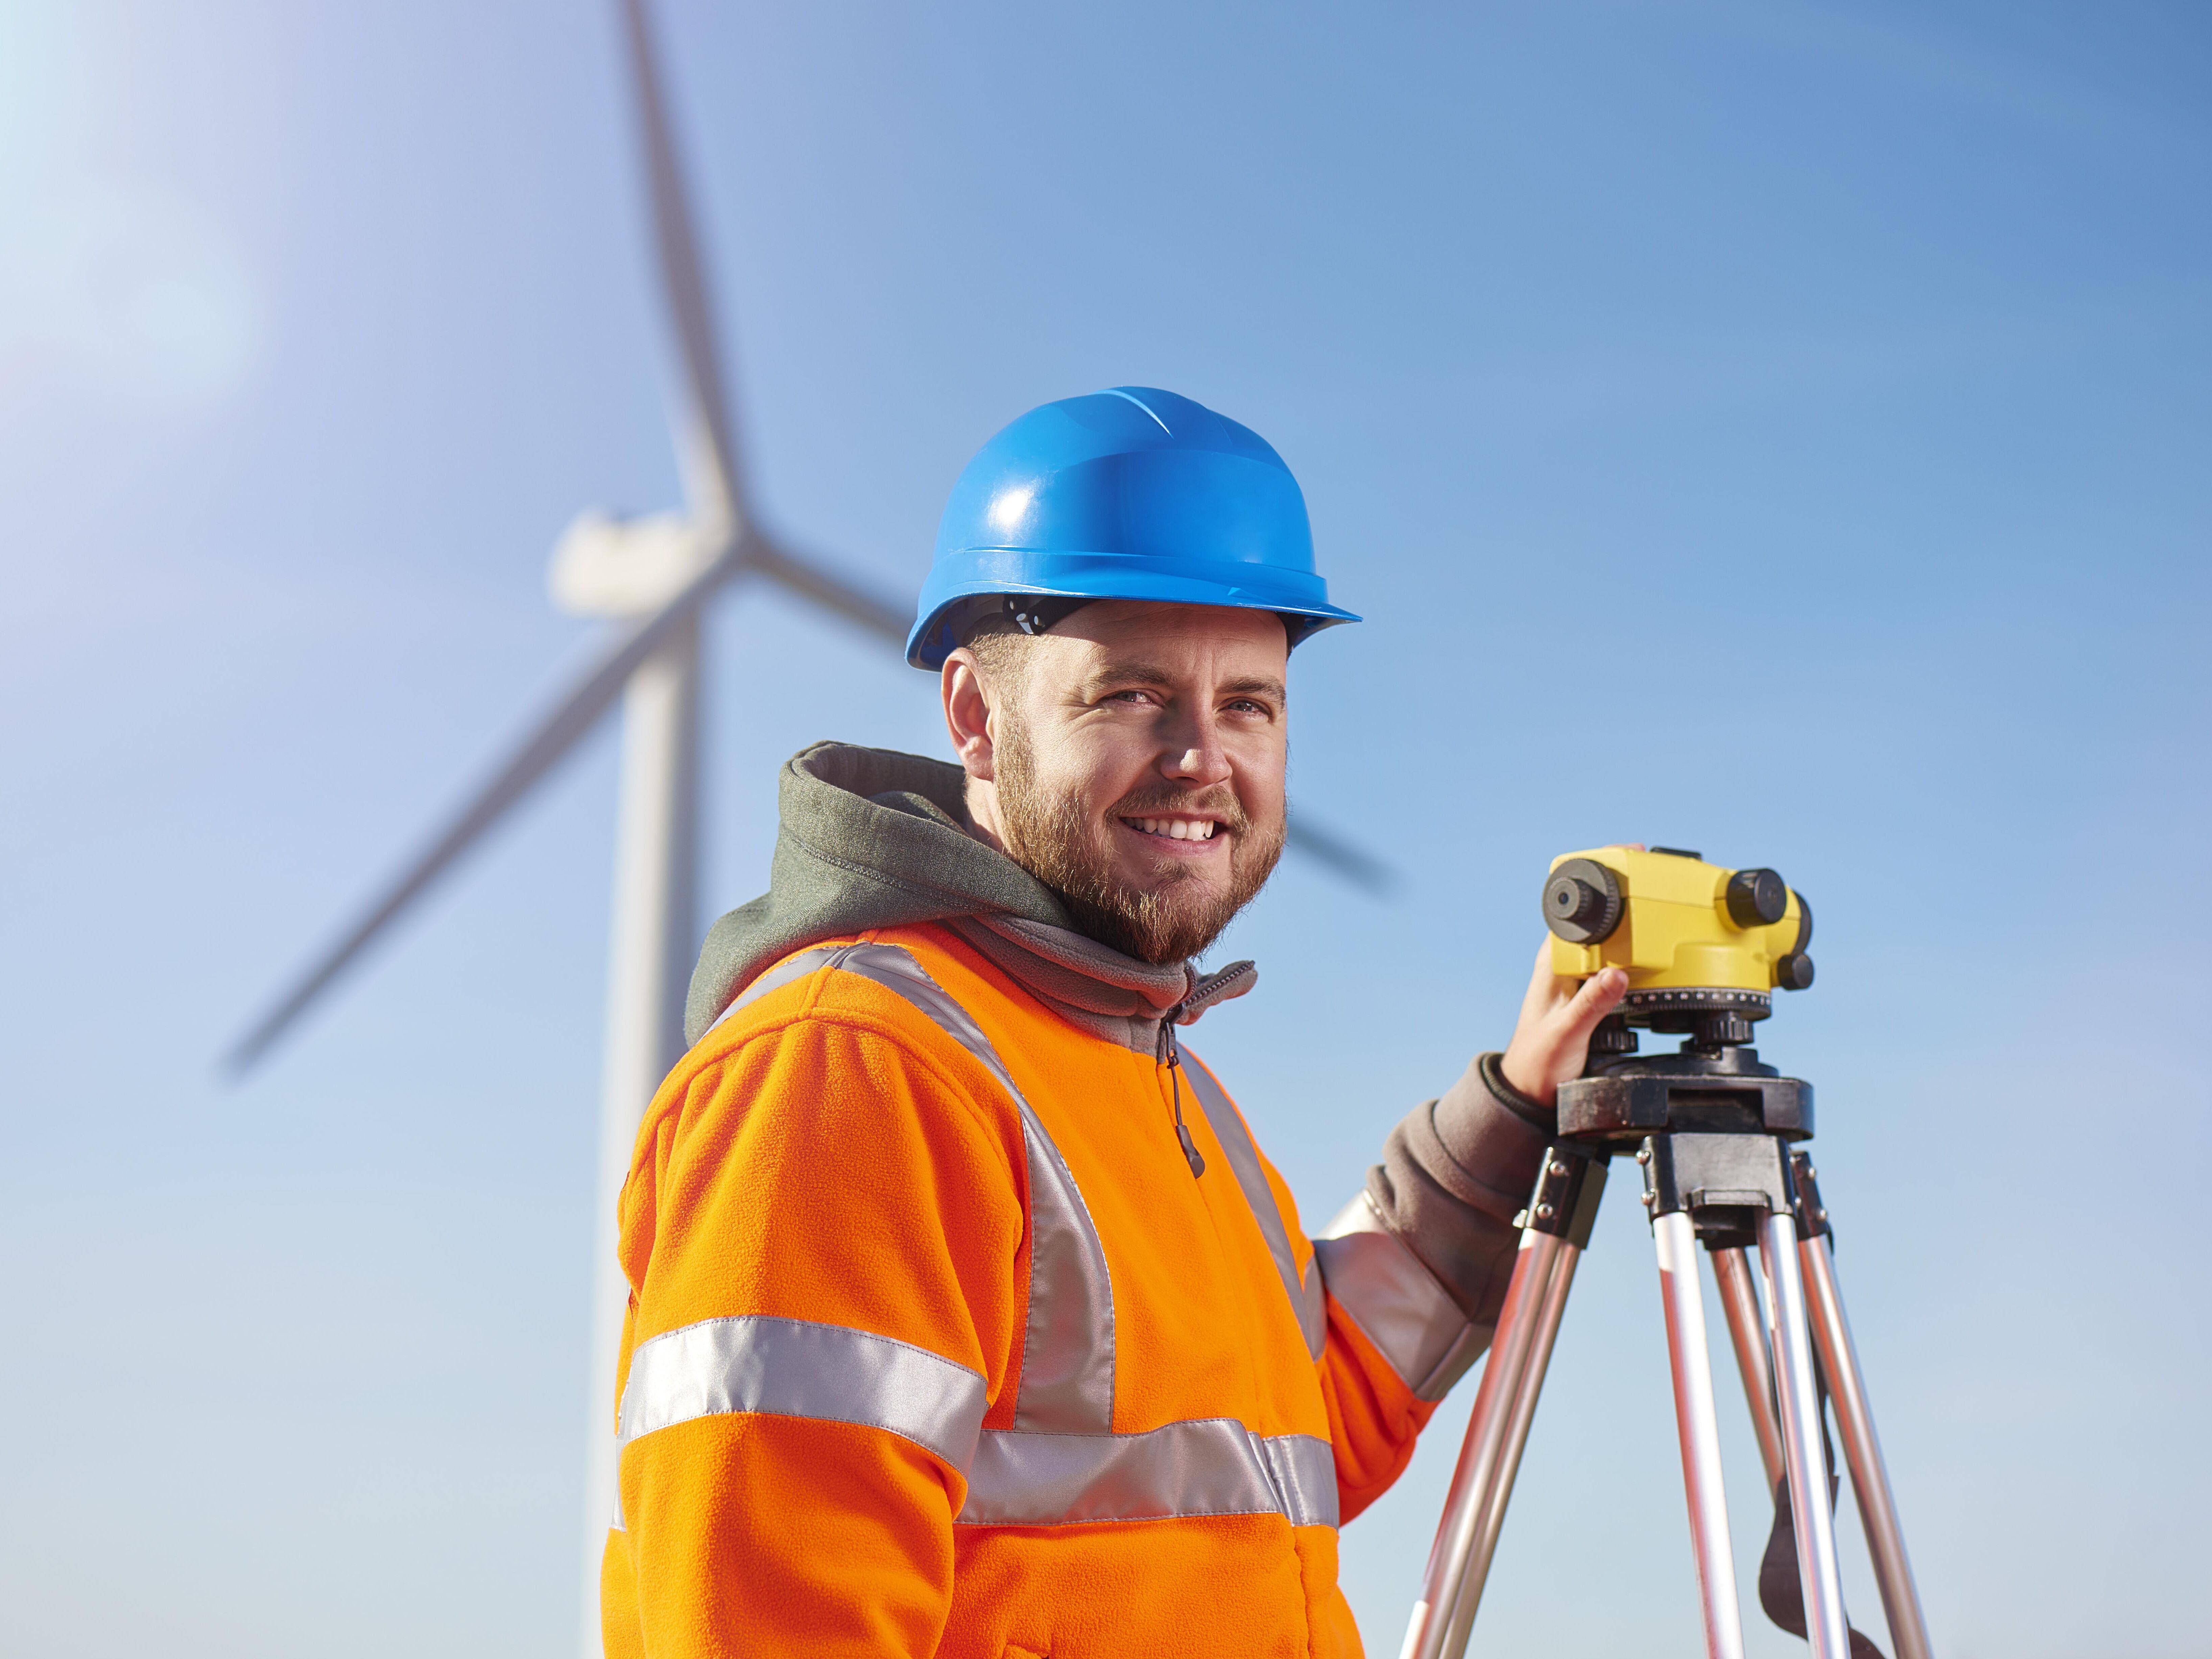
x,y
1259,685
1144,673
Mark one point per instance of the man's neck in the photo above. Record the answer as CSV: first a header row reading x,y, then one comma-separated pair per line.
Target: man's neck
x,y
982,799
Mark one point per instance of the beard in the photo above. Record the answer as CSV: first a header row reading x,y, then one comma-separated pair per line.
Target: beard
x,y
1056,838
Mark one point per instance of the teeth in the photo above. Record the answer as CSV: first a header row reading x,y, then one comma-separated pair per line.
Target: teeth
x,y
1177,829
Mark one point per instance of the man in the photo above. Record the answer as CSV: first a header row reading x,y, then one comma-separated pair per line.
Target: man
x,y
966,1317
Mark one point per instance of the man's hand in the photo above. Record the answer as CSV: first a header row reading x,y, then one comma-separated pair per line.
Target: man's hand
x,y
1552,1039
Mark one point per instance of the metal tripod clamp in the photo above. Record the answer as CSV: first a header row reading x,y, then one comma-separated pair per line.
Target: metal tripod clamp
x,y
1709,1176
1564,1203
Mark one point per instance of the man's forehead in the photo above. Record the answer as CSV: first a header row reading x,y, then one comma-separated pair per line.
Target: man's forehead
x,y
1145,628
1169,646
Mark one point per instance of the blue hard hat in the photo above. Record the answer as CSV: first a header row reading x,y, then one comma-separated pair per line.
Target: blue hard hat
x,y
1130,494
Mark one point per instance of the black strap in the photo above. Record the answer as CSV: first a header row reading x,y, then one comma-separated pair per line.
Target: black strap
x,y
1781,1590
1033,613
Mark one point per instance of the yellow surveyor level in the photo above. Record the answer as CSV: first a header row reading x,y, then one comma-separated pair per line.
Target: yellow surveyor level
x,y
1675,922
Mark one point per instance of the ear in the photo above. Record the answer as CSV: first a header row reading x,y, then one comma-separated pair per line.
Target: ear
x,y
968,714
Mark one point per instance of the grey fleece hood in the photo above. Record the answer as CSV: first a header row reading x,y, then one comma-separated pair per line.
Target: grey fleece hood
x,y
873,838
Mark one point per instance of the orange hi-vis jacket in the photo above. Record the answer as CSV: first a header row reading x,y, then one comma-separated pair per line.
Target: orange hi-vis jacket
x,y
937,1346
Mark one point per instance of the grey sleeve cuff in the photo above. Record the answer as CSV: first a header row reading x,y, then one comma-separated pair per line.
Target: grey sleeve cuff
x,y
1453,1174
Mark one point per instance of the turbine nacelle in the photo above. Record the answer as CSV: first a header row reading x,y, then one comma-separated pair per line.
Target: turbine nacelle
x,y
603,565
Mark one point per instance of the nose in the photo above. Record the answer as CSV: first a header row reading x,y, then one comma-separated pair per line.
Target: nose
x,y
1201,762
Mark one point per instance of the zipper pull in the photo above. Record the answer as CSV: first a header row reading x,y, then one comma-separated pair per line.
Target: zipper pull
x,y
1171,1058
1189,1148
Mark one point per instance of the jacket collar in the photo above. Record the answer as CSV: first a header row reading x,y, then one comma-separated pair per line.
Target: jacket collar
x,y
872,838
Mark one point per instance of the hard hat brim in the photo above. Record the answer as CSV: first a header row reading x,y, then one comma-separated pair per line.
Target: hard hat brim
x,y
1231,585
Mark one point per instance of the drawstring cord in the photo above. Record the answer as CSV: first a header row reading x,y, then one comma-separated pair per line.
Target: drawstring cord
x,y
1170,1057
1231,982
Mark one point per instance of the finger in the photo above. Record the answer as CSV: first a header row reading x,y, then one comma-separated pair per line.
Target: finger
x,y
1543,994
1539,972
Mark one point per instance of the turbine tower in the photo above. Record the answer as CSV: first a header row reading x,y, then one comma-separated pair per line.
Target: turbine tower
x,y
652,577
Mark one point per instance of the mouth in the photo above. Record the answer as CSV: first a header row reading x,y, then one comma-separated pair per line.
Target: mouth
x,y
1185,828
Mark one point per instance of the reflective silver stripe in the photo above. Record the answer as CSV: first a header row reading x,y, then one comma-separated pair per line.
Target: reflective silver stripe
x,y
798,967
1067,1350
796,1368
1395,1302
1245,1160
1210,1466
1303,1467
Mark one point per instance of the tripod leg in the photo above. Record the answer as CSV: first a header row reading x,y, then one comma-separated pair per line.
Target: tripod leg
x,y
1832,1331
1555,1230
1517,1438
1827,1631
1693,1369
1748,1337
1481,1454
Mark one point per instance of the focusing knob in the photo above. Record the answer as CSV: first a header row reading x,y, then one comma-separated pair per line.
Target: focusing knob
x,y
1582,902
1794,972
1721,1029
1756,898
1612,1037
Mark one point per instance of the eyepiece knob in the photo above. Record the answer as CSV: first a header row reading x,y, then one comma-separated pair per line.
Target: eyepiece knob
x,y
1756,898
1582,902
1794,972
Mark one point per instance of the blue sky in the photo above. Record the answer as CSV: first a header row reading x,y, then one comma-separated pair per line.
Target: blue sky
x,y
1768,427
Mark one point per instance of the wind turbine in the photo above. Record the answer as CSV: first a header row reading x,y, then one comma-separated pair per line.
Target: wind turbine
x,y
653,576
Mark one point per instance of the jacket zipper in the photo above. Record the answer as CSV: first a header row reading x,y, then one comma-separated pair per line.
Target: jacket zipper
x,y
1171,1057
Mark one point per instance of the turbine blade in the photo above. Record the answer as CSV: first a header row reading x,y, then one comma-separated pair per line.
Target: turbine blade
x,y
547,743
1362,869
877,613
709,433
711,463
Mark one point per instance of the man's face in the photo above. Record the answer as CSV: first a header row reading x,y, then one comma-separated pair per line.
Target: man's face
x,y
1138,755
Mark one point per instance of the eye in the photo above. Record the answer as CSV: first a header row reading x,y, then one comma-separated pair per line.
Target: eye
x,y
1247,706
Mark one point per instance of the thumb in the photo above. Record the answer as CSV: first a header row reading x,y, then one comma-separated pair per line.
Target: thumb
x,y
1600,995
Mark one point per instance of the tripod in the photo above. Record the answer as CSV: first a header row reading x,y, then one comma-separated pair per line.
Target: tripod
x,y
1712,1129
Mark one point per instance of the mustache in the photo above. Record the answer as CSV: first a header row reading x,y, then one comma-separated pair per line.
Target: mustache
x,y
1219,802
